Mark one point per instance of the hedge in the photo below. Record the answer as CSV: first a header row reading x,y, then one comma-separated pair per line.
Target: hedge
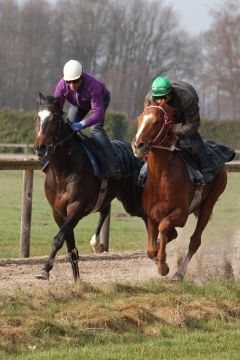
x,y
18,127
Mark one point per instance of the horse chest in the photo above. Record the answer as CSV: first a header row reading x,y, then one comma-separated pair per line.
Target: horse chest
x,y
60,201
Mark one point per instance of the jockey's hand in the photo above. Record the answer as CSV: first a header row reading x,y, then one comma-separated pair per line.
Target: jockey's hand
x,y
78,126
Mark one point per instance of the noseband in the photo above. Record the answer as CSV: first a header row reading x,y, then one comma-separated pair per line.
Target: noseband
x,y
166,126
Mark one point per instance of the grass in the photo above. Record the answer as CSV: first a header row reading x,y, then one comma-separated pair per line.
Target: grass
x,y
116,322
151,320
126,233
44,228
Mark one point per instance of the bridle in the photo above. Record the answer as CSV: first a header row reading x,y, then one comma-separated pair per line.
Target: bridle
x,y
166,126
52,147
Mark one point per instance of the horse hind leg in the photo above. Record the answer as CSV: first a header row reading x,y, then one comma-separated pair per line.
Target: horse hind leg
x,y
195,242
97,245
203,218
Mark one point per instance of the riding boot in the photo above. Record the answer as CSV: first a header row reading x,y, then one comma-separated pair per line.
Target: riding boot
x,y
199,148
142,175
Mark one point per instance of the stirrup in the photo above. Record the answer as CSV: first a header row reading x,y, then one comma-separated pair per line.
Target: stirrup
x,y
141,180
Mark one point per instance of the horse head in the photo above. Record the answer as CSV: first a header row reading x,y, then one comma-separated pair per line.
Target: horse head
x,y
153,126
48,124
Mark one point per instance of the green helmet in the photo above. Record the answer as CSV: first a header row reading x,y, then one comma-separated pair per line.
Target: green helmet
x,y
161,86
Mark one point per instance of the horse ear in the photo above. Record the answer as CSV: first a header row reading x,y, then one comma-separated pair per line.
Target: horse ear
x,y
41,99
59,100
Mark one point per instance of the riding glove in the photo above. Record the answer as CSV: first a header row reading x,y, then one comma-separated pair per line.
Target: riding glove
x,y
78,126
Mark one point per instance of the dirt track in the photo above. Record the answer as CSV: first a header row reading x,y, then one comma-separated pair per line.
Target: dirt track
x,y
127,267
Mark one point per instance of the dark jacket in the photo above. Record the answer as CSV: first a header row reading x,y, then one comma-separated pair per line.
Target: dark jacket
x,y
184,102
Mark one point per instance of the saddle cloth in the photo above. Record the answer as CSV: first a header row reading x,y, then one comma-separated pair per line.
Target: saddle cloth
x,y
218,155
128,163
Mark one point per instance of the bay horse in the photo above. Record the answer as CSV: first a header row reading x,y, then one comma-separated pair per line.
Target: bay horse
x,y
168,192
71,187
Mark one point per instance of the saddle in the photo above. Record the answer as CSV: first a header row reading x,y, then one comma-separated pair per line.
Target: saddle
x,y
128,163
218,155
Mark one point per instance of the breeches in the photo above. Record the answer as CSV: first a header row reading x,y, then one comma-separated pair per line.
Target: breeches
x,y
199,149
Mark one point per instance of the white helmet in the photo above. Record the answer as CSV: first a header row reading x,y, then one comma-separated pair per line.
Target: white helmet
x,y
72,70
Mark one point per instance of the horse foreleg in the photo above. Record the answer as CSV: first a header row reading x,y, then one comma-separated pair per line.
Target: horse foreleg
x,y
73,257
65,233
152,247
163,268
167,232
57,244
44,273
95,240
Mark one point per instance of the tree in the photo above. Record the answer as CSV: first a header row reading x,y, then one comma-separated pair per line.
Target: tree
x,y
221,54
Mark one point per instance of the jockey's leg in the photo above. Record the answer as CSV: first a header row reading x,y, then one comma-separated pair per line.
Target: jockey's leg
x,y
199,148
111,157
75,114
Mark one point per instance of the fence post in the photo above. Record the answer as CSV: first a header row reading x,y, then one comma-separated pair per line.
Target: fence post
x,y
26,151
24,246
104,233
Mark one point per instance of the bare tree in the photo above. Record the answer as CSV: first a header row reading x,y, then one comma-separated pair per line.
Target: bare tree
x,y
8,53
221,53
146,42
125,43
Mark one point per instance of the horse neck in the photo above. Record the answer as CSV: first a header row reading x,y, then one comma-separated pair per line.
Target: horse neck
x,y
159,159
67,156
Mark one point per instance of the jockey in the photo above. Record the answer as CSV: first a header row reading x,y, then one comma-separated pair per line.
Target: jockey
x,y
183,99
85,93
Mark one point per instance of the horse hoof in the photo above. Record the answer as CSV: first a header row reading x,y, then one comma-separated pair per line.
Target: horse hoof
x,y
43,275
98,249
163,269
177,277
95,244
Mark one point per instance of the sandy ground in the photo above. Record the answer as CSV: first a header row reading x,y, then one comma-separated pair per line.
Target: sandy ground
x,y
126,267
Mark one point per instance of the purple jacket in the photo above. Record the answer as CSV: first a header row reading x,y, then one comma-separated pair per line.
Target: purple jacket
x,y
91,95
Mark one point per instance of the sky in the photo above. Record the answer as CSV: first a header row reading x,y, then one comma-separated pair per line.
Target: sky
x,y
194,14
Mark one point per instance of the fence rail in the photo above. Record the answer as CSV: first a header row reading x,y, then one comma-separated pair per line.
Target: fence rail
x,y
15,145
28,167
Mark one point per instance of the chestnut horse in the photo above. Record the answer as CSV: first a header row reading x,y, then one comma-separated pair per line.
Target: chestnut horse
x,y
71,187
168,193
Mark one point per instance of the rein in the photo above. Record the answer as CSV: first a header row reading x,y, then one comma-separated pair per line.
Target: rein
x,y
167,125
52,147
